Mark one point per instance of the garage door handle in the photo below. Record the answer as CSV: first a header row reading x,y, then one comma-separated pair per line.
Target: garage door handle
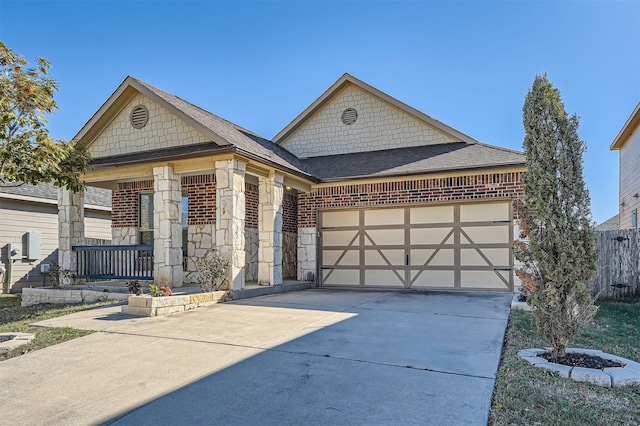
x,y
406,260
501,221
501,269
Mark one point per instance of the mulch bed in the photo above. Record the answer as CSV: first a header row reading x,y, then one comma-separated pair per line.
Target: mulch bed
x,y
582,360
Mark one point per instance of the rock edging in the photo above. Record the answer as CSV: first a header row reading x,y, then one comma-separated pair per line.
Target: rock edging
x,y
629,375
63,296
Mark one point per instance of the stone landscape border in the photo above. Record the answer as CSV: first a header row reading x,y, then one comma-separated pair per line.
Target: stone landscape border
x,y
62,296
147,306
629,375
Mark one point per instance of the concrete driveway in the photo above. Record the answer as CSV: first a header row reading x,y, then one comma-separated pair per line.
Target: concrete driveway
x,y
308,357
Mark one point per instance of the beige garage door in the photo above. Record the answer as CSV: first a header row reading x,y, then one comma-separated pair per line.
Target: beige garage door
x,y
462,246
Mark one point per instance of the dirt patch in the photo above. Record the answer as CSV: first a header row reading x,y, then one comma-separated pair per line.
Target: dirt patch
x,y
582,360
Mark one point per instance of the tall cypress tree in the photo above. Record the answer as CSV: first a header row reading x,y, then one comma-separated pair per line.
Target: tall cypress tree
x,y
557,247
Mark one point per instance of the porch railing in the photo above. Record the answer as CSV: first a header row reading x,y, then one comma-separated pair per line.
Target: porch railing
x,y
115,262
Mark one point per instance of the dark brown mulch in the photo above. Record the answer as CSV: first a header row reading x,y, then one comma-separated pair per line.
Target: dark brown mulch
x,y
582,360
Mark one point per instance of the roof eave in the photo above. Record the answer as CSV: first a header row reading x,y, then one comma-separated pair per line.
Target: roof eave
x,y
275,165
627,129
185,156
425,172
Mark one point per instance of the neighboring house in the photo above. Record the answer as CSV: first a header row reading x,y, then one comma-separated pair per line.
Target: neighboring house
x,y
628,143
611,224
32,210
360,190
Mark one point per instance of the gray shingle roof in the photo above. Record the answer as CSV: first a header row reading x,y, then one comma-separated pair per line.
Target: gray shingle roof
x,y
47,191
611,224
235,135
226,136
414,160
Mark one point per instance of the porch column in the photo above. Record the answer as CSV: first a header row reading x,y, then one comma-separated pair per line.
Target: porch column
x,y
70,226
270,230
167,229
230,217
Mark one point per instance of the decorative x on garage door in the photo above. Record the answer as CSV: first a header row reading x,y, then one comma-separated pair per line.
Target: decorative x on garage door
x,y
461,246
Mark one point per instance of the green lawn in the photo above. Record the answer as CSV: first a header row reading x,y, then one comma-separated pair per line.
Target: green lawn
x,y
525,395
14,318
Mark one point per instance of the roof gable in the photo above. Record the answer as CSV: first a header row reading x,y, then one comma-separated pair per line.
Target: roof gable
x,y
179,123
163,130
383,123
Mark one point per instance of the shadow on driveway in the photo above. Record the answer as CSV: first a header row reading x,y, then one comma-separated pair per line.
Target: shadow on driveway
x,y
358,358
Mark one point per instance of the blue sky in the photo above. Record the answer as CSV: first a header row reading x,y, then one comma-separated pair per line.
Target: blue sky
x,y
259,64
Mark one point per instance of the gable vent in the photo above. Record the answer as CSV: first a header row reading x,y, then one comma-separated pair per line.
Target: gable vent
x,y
139,117
349,116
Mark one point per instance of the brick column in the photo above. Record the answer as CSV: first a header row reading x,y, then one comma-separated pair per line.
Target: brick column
x,y
270,230
70,226
230,216
167,231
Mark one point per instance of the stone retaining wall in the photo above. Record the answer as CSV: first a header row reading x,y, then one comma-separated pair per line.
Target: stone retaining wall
x,y
147,306
36,296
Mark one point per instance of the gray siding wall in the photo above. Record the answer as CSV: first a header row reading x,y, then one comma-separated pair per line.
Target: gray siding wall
x,y
629,179
20,217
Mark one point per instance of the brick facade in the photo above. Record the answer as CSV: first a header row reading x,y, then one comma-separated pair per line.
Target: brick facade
x,y
201,192
251,196
290,213
124,203
415,191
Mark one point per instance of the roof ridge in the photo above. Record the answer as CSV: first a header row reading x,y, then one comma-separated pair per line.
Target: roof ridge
x,y
501,148
205,111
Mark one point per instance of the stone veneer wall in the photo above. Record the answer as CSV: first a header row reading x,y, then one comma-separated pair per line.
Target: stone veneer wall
x,y
289,255
412,191
200,245
125,236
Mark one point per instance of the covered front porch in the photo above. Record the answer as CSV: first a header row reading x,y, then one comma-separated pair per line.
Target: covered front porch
x,y
166,215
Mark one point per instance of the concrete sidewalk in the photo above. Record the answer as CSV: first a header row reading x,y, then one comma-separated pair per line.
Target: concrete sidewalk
x,y
309,357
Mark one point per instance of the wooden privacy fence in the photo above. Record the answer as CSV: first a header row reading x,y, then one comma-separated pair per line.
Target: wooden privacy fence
x,y
618,264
